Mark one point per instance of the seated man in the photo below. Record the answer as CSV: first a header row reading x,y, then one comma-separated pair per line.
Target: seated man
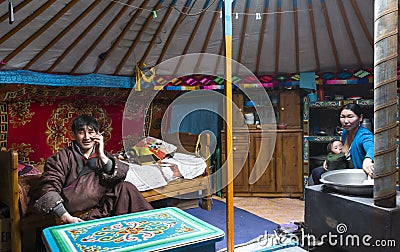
x,y
82,178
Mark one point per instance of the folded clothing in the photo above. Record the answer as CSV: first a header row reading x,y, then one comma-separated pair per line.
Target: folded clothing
x,y
150,150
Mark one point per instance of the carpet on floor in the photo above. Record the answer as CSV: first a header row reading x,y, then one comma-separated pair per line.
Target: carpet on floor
x,y
247,226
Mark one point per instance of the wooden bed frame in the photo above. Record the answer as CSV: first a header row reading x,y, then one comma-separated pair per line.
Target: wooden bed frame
x,y
25,227
190,144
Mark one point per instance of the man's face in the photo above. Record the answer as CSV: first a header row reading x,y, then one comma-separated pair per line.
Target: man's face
x,y
83,138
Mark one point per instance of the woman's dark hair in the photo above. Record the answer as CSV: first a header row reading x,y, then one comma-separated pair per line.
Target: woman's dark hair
x,y
353,107
84,120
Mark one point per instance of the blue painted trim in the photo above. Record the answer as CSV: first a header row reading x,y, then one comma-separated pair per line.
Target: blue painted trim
x,y
228,18
35,78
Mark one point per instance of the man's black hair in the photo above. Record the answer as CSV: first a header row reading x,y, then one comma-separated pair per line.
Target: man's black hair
x,y
84,120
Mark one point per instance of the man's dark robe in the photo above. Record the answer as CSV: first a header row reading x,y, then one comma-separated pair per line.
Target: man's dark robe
x,y
69,179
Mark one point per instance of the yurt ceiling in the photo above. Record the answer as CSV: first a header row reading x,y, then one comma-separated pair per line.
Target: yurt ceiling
x,y
112,37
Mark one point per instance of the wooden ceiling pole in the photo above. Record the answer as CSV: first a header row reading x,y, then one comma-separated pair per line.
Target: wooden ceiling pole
x,y
40,31
157,34
102,35
182,15
262,35
61,35
349,33
137,40
121,35
314,35
296,35
362,22
20,6
26,21
213,22
331,39
278,36
192,35
81,36
243,34
208,37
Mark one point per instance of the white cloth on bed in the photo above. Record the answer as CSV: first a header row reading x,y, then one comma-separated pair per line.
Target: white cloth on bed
x,y
146,177
189,166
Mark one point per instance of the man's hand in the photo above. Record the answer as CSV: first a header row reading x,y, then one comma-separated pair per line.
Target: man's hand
x,y
67,218
99,147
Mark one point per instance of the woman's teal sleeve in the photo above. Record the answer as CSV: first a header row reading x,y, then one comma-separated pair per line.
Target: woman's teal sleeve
x,y
368,144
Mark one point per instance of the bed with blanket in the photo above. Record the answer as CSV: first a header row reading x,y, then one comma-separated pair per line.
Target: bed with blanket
x,y
185,172
192,151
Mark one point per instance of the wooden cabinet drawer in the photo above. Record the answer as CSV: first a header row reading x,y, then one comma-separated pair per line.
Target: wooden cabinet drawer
x,y
237,148
241,138
237,138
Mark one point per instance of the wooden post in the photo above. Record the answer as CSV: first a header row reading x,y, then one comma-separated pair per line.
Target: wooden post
x,y
385,101
228,92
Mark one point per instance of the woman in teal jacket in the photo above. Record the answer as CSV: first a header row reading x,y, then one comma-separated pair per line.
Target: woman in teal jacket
x,y
357,140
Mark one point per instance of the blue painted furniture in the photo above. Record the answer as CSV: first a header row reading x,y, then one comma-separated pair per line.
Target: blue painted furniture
x,y
154,230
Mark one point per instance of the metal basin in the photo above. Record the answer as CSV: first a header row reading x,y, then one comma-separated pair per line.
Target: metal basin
x,y
348,181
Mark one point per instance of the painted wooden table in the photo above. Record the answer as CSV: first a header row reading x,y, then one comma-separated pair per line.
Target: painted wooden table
x,y
154,230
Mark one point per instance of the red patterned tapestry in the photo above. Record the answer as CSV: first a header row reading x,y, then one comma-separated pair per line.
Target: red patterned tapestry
x,y
36,120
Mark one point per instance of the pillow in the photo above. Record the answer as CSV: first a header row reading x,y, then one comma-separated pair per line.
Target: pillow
x,y
26,169
150,150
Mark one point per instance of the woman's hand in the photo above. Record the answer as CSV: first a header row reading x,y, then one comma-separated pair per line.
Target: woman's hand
x,y
368,166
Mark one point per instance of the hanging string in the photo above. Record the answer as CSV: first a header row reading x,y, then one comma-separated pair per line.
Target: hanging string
x,y
198,13
257,15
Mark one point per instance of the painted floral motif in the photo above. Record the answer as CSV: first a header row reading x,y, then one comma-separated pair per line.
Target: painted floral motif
x,y
125,231
23,151
20,113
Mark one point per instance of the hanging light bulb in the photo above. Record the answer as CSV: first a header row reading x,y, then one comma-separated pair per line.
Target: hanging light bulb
x,y
10,12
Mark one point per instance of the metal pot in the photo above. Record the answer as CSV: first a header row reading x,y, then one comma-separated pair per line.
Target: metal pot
x,y
366,123
348,181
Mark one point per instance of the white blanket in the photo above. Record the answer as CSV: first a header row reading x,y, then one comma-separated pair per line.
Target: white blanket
x,y
190,166
146,177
